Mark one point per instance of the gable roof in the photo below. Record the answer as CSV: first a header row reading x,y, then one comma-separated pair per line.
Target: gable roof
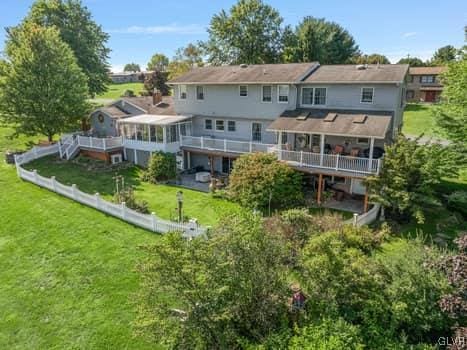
x,y
426,70
113,112
350,73
247,74
165,107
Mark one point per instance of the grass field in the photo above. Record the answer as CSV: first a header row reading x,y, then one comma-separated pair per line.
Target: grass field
x,y
116,90
66,271
418,119
161,198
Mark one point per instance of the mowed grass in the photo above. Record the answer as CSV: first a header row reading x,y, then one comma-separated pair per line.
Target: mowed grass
x,y
161,198
116,90
67,272
419,119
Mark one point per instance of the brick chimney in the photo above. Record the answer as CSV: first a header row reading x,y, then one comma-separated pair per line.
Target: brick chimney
x,y
156,97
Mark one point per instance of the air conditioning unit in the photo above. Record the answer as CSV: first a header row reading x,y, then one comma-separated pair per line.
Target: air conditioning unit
x,y
116,158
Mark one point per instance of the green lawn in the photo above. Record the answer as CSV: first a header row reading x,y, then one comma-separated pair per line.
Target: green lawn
x,y
418,119
116,90
161,198
66,271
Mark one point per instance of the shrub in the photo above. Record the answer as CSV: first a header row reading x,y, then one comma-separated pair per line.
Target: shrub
x,y
161,167
128,93
458,201
127,195
259,180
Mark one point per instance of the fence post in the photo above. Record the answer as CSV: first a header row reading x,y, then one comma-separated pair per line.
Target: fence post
x,y
60,148
337,161
98,200
355,217
105,144
18,171
153,220
225,145
73,191
123,205
301,158
379,166
251,146
54,183
35,175
202,142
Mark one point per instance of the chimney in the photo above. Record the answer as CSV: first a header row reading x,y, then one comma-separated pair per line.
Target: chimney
x,y
156,97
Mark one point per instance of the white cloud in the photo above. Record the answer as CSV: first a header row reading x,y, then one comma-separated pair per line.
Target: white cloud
x,y
171,28
409,34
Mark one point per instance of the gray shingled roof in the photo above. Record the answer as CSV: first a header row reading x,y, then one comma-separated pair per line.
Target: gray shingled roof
x,y
163,108
427,70
251,74
349,73
376,123
113,112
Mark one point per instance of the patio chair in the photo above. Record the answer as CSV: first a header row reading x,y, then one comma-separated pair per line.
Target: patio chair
x,y
338,149
354,152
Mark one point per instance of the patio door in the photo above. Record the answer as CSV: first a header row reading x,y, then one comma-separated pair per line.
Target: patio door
x,y
227,164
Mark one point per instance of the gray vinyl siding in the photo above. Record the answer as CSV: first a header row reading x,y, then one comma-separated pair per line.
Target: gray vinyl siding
x,y
225,101
143,157
106,128
242,133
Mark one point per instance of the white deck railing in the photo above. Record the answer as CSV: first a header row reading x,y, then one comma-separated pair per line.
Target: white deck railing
x,y
224,145
330,161
150,222
100,143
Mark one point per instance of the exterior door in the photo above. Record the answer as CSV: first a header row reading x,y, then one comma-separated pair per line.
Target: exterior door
x,y
430,96
256,132
227,164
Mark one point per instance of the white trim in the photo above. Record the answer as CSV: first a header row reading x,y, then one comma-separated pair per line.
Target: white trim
x,y
278,93
372,95
262,100
313,96
239,91
196,93
215,125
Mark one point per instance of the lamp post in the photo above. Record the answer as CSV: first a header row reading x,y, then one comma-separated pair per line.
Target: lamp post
x,y
180,204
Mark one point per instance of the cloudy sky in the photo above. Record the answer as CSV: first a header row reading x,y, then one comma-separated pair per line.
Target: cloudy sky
x,y
394,28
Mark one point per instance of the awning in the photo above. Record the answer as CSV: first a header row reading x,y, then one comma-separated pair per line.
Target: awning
x,y
152,119
333,122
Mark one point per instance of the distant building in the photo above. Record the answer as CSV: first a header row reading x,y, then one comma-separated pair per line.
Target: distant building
x,y
129,77
424,84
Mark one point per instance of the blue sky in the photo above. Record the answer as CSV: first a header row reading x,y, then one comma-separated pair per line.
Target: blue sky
x,y
394,28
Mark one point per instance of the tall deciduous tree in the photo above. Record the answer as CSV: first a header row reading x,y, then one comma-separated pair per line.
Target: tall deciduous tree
x,y
406,183
132,67
157,80
158,62
85,37
250,33
319,40
412,61
185,59
444,55
451,114
42,88
374,58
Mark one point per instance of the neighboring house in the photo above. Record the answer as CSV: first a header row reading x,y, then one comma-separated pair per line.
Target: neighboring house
x,y
330,122
423,84
129,77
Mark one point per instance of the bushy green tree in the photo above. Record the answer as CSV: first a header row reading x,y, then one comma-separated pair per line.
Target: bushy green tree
x,y
250,33
444,55
185,58
370,59
162,166
228,290
157,80
158,62
315,39
412,61
451,114
259,180
85,37
405,186
132,67
42,89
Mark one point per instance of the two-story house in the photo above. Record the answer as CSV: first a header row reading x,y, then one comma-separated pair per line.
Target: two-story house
x,y
328,121
423,84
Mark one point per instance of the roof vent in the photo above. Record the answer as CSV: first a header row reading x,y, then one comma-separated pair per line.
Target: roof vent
x,y
330,117
360,119
362,66
243,65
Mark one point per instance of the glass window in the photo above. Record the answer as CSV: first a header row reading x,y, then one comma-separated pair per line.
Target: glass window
x,y
283,93
152,132
363,141
316,140
200,92
145,132
367,95
208,124
183,92
159,134
243,90
267,93
172,133
231,126
256,134
320,96
410,94
427,79
139,132
307,96
219,125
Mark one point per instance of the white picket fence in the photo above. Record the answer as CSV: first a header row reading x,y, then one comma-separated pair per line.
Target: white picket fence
x,y
150,222
366,218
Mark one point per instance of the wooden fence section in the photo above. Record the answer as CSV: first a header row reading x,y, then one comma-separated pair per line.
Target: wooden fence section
x,y
150,222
